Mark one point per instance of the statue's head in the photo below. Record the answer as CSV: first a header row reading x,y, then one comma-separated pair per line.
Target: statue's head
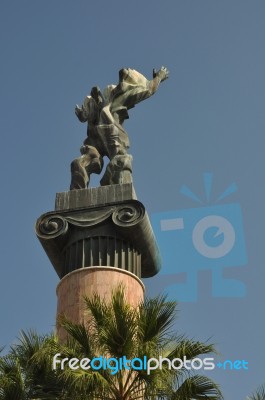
x,y
97,95
123,73
131,77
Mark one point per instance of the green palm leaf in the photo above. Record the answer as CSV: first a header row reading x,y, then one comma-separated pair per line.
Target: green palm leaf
x,y
197,387
79,333
156,317
259,394
189,348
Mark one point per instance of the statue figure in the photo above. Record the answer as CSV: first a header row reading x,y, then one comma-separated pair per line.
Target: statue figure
x,y
105,113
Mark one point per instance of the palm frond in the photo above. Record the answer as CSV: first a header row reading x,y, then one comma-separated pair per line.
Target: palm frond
x,y
113,323
119,333
97,308
84,382
259,394
11,378
189,348
29,342
79,333
197,387
156,317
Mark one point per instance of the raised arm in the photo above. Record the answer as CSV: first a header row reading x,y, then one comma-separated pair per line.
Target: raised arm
x,y
134,87
158,76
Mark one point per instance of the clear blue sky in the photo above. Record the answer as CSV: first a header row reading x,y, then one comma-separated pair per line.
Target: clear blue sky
x,y
209,116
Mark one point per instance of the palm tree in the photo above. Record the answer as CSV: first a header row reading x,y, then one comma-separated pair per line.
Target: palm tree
x,y
113,330
24,378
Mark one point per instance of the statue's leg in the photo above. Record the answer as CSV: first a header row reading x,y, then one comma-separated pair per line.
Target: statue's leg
x,y
115,143
118,171
82,167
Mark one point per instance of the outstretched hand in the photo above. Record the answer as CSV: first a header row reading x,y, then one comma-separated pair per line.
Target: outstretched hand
x,y
162,73
78,110
81,115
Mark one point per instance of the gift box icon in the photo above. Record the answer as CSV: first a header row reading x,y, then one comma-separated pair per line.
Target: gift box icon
x,y
202,238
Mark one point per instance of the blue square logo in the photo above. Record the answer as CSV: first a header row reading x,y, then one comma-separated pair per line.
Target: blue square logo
x,y
201,238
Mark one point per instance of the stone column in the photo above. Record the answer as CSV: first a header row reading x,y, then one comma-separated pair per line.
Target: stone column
x,y
88,281
97,239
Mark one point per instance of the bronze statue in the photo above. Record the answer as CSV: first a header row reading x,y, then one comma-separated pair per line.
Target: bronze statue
x,y
105,113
